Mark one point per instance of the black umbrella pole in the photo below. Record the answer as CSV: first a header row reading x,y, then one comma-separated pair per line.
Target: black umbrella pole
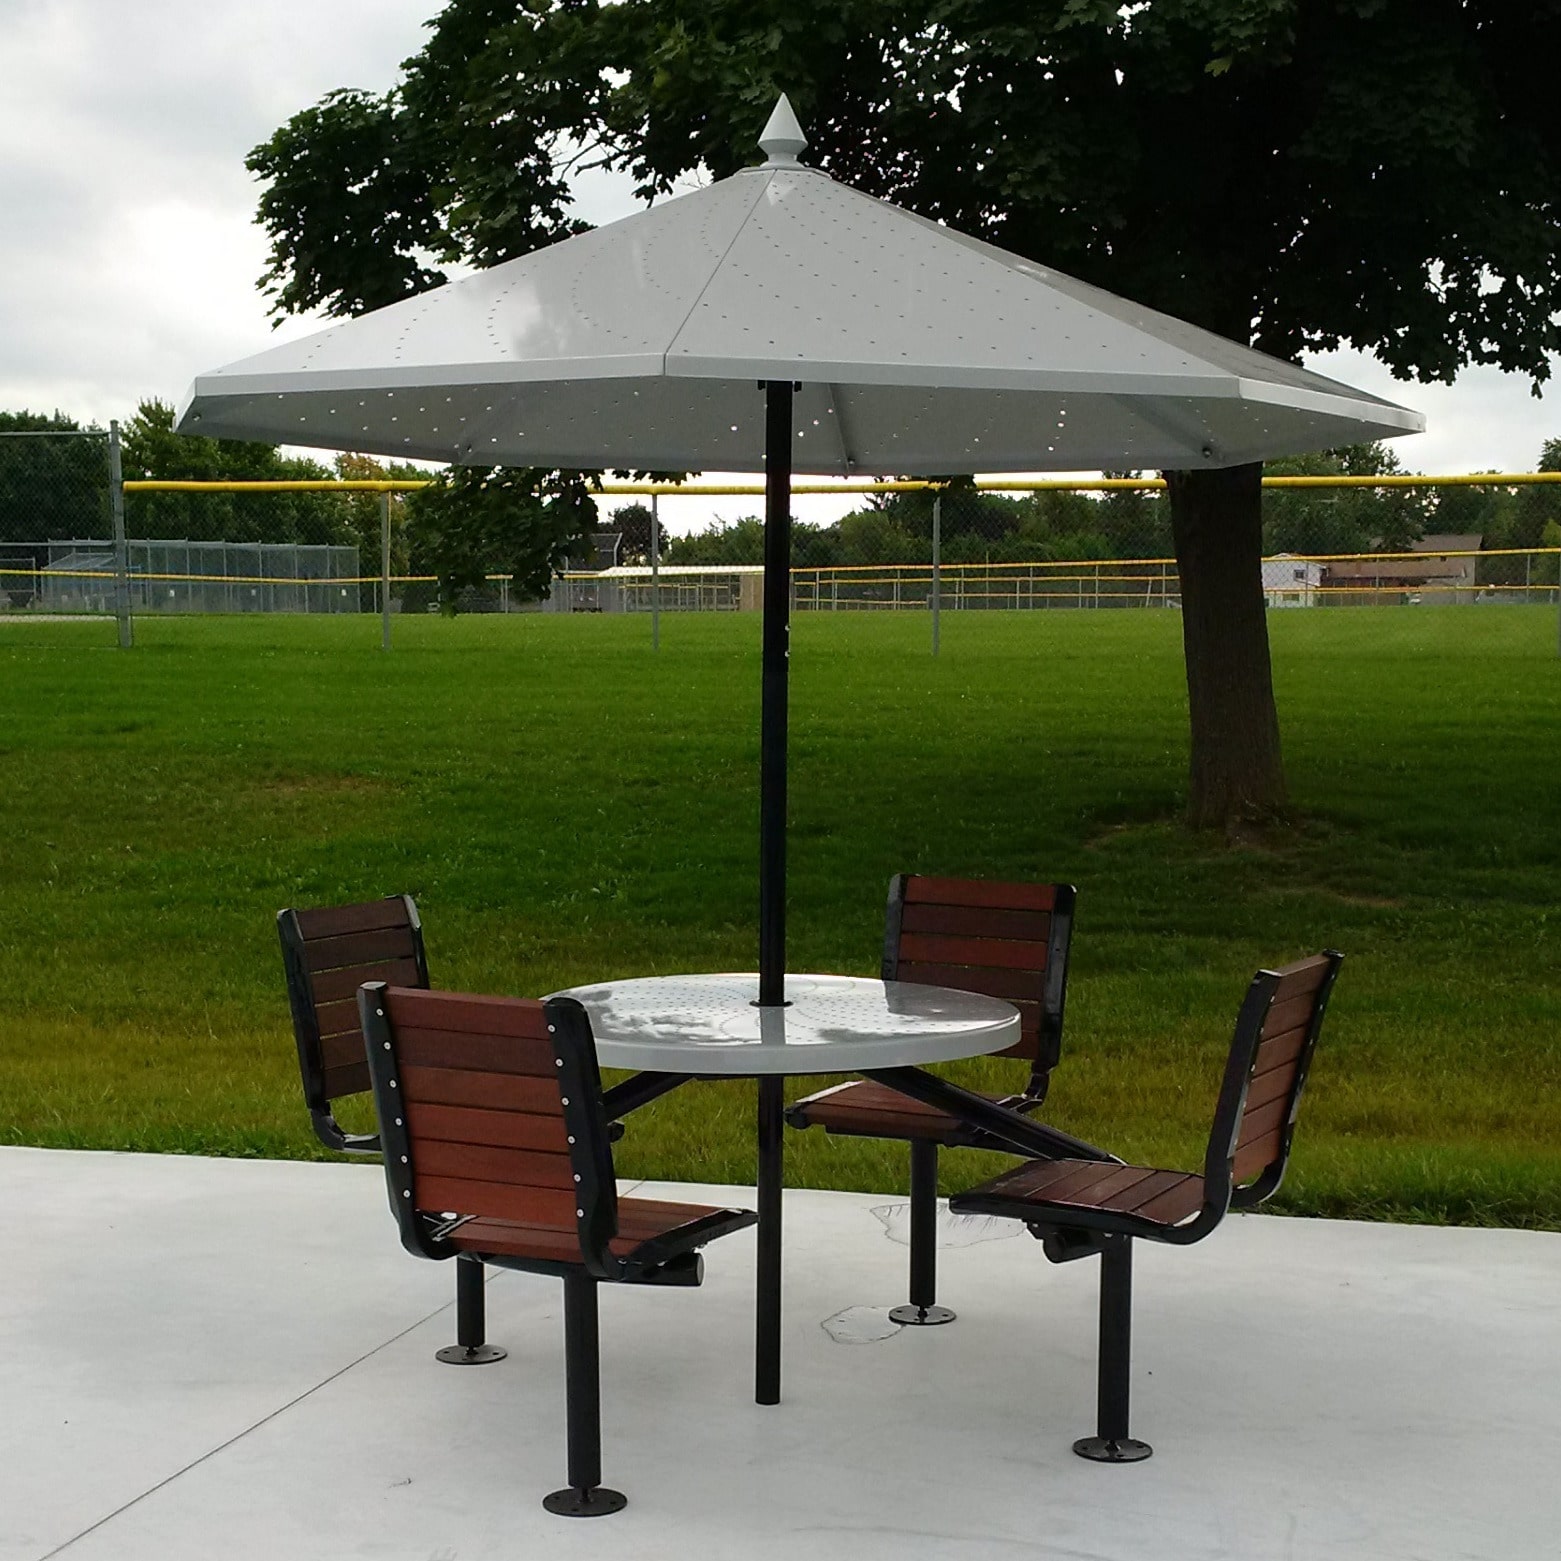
x,y
772,708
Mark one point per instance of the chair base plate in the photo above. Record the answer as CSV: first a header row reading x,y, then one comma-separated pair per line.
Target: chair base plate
x,y
470,1354
594,1503
1104,1449
922,1316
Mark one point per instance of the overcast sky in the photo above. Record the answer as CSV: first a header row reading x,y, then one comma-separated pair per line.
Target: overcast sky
x,y
128,251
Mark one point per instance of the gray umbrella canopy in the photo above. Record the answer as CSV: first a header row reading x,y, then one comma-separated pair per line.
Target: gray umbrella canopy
x,y
777,321
919,351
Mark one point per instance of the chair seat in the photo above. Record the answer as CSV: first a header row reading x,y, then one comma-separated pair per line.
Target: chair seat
x,y
865,1108
1104,1194
649,1233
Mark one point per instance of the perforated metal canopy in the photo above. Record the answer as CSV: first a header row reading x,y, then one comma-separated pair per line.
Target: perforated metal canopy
x,y
919,352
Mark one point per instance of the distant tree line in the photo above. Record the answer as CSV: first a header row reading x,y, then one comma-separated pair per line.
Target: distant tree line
x,y
1059,526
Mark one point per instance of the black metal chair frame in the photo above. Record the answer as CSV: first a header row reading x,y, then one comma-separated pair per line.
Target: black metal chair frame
x,y
1067,1234
471,1347
590,1153
921,1308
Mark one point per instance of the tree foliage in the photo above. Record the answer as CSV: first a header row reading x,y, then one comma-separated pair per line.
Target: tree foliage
x,y
54,487
479,520
1295,173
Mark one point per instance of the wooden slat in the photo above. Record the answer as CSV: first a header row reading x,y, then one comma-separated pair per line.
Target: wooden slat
x,y
867,1109
1174,1203
1118,1181
640,1220
1277,1051
979,891
1256,1156
1070,1184
355,948
522,1017
339,1017
432,1157
331,986
329,921
456,1195
341,1051
488,1053
1301,979
1295,1011
1270,1086
494,1091
351,1079
1008,984
468,1125
984,953
972,921
1264,1120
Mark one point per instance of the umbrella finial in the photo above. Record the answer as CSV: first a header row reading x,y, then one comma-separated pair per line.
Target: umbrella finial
x,y
782,137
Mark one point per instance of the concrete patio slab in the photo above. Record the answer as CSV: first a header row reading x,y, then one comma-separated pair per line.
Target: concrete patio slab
x,y
230,1357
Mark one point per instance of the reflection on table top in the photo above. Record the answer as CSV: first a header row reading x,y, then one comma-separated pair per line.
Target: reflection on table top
x,y
832,1024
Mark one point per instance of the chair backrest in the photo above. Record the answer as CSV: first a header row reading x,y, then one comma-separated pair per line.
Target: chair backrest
x,y
490,1106
1008,940
328,953
1276,1033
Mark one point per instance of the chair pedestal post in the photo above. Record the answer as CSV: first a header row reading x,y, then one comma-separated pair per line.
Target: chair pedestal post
x,y
923,1310
471,1320
1111,1443
585,1496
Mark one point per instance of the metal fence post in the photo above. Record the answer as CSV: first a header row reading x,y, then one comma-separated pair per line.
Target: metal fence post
x,y
384,569
655,571
116,496
937,571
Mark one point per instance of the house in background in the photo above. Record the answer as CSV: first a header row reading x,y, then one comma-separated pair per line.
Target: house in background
x,y
1441,567
1291,581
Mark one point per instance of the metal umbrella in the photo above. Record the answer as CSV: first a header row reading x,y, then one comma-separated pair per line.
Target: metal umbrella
x,y
778,321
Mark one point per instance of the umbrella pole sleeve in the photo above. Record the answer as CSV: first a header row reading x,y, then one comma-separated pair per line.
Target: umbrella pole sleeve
x,y
772,738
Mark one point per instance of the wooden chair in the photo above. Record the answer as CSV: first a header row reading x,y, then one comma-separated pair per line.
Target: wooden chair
x,y
497,1148
1007,940
1078,1207
328,954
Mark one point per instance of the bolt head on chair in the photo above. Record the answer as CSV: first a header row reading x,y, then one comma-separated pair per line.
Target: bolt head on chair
x,y
497,1147
327,954
1007,940
1079,1207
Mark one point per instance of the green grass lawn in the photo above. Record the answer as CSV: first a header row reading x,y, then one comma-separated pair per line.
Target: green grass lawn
x,y
568,807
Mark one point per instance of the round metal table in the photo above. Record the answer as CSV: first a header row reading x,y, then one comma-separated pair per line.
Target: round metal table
x,y
699,1026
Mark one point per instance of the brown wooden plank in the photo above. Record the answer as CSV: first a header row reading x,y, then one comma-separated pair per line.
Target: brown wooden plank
x,y
920,889
329,921
1262,1121
350,1079
1118,1182
465,1049
341,1051
1175,1203
1272,1085
503,1200
470,1125
1278,1051
510,1238
339,1017
490,1163
493,1091
522,1017
1301,979
355,948
1294,1012
1067,1181
1256,1156
984,953
974,921
1008,984
329,986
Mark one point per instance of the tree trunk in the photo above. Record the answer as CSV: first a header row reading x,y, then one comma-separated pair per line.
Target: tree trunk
x,y
1236,771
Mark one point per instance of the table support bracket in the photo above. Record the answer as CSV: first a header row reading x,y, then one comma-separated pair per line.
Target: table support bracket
x,y
1020,1134
639,1090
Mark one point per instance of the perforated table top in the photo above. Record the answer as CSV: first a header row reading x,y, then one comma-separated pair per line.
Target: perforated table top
x,y
832,1024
